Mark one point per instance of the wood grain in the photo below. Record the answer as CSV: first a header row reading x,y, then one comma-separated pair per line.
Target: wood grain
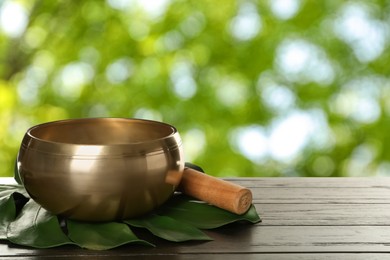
x,y
303,218
299,182
326,215
321,195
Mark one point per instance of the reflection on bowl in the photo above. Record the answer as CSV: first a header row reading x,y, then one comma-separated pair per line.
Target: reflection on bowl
x,y
101,169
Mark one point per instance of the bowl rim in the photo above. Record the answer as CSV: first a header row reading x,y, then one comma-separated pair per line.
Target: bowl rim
x,y
173,133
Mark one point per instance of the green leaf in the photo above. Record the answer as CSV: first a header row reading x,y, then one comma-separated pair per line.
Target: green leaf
x,y
180,219
8,213
202,215
9,206
6,190
168,228
101,236
37,228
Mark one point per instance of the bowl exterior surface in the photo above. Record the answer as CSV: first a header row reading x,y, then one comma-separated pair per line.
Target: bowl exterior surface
x,y
101,169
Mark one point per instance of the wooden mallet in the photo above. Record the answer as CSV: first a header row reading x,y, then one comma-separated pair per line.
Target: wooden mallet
x,y
215,191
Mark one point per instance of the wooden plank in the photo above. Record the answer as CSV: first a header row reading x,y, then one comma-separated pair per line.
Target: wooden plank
x,y
324,214
309,239
321,195
318,182
246,239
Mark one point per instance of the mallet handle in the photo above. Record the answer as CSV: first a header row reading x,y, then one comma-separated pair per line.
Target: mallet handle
x,y
220,193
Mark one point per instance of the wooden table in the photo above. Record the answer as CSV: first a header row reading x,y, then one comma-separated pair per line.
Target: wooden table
x,y
303,218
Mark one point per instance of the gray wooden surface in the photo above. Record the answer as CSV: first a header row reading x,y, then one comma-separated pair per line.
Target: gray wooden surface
x,y
303,218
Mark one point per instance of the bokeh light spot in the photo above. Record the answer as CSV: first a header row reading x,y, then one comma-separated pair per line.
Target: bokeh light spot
x,y
119,70
13,18
247,24
35,36
28,87
193,25
290,133
365,35
184,85
194,143
358,100
231,92
276,97
147,113
251,141
285,9
302,61
72,78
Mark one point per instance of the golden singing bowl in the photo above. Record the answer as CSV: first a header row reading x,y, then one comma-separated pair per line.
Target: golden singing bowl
x,y
101,169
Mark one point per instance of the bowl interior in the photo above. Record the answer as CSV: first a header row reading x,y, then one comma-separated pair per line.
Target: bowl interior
x,y
102,131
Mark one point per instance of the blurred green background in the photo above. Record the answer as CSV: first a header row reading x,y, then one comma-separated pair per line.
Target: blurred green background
x,y
255,88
